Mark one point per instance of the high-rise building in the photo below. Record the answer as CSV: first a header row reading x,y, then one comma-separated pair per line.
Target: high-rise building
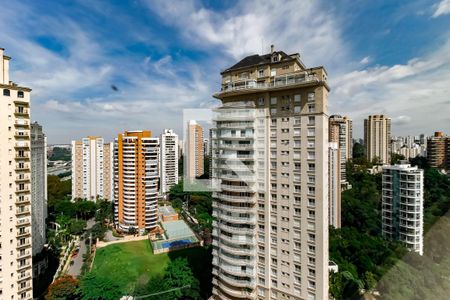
x,y
438,151
377,138
38,186
341,132
92,169
15,185
334,185
402,205
136,179
168,168
270,153
194,150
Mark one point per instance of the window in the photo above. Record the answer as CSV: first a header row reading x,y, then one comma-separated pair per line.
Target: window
x,y
273,100
311,108
6,92
297,109
273,111
261,73
297,98
261,101
20,94
311,96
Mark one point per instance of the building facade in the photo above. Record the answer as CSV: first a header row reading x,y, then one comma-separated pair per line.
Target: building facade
x,y
168,168
334,185
136,179
377,138
15,185
38,186
92,169
270,155
194,150
438,151
341,132
402,205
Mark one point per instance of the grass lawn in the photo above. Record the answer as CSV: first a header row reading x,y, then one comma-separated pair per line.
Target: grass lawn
x,y
133,264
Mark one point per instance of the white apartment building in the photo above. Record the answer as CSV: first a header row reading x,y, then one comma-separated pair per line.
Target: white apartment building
x,y
38,186
15,198
270,155
168,168
341,132
334,185
402,205
92,169
136,179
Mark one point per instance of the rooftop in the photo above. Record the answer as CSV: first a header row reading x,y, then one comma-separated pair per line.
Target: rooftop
x,y
167,210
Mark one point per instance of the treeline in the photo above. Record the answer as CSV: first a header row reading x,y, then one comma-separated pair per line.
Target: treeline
x,y
60,154
365,258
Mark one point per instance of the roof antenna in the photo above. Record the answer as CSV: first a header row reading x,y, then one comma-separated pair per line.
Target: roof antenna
x,y
272,47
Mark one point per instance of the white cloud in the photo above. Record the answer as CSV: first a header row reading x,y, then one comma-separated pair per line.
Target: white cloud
x,y
414,95
443,8
247,27
365,60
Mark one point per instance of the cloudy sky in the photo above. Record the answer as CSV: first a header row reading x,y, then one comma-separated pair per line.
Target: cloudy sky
x,y
390,57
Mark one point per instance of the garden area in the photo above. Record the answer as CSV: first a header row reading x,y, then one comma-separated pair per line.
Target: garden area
x,y
135,270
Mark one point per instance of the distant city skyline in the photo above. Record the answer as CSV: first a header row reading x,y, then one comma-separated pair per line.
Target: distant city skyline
x,y
92,74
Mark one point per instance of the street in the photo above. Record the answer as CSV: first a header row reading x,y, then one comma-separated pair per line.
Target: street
x,y
75,269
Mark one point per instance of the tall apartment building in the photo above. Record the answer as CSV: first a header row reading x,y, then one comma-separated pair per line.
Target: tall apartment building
x,y
194,150
168,168
136,179
334,185
402,205
38,186
270,153
341,132
15,197
92,169
377,138
438,151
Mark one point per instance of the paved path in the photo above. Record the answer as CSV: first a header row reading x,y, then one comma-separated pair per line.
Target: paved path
x,y
75,269
109,236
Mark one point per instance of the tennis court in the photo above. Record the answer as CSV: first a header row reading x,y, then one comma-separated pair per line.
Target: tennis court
x,y
179,236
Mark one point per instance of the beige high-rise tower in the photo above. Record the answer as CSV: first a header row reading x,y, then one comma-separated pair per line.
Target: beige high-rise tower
x,y
270,155
92,169
194,150
438,151
377,138
15,185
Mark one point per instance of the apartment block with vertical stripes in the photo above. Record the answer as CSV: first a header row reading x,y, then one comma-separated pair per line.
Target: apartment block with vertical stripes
x,y
270,153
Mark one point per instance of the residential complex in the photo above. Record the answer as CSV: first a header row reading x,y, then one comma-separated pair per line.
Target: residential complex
x,y
377,137
334,184
38,186
409,146
15,196
341,132
92,169
402,205
438,151
270,153
194,150
168,168
136,179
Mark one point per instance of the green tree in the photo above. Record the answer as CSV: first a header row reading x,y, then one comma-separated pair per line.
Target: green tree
x,y
395,158
358,150
369,281
63,288
94,287
77,227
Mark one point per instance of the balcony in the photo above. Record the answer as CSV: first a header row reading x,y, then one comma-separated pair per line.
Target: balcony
x,y
23,222
20,145
236,293
22,167
21,111
23,233
247,199
23,211
251,85
23,266
22,178
24,287
22,134
238,241
24,254
21,123
236,230
24,156
25,200
26,275
237,220
236,146
24,189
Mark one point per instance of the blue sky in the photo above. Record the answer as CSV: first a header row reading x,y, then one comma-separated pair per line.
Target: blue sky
x,y
390,57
